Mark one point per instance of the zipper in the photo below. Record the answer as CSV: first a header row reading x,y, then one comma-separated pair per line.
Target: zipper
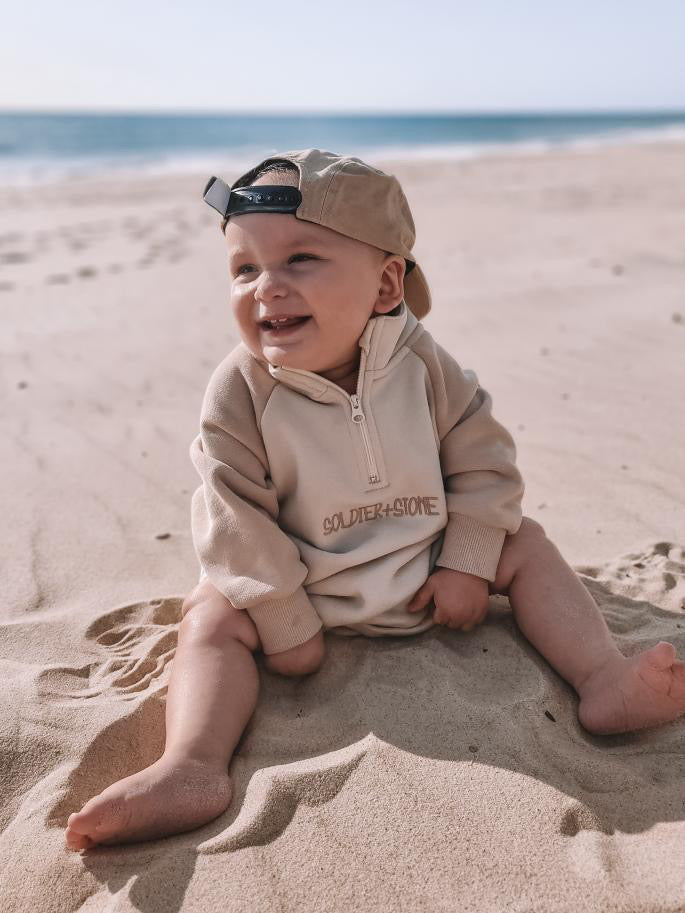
x,y
358,417
359,420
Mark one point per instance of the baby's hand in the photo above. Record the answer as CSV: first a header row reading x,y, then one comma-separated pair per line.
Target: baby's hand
x,y
461,599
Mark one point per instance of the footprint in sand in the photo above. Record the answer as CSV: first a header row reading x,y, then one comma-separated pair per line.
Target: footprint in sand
x,y
135,644
174,252
14,256
11,237
57,279
654,574
86,272
141,639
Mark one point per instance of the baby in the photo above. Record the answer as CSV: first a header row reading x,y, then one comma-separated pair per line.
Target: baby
x,y
355,481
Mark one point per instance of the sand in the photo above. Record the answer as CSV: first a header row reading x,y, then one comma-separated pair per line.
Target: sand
x,y
443,772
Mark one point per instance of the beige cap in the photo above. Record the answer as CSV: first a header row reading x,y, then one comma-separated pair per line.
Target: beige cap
x,y
344,193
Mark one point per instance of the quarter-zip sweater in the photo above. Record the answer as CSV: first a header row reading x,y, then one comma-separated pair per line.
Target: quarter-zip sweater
x,y
320,508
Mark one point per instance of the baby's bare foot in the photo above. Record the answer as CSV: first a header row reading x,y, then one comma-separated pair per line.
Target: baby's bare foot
x,y
168,797
634,692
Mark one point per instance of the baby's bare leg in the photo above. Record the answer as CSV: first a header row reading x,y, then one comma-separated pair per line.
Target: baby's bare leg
x,y
559,617
211,696
552,608
214,690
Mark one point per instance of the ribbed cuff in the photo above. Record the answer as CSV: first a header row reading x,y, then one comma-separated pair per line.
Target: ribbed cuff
x,y
285,623
471,546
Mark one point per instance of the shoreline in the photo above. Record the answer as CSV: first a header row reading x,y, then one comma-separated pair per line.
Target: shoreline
x,y
197,164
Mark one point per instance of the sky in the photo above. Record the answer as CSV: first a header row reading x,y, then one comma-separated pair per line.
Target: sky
x,y
360,55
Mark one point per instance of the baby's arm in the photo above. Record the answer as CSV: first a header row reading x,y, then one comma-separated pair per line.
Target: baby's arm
x,y
234,518
483,486
483,490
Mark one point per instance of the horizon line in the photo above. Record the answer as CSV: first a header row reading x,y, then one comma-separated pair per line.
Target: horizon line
x,y
345,112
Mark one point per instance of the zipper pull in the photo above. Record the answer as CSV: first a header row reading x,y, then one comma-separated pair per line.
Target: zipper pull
x,y
357,413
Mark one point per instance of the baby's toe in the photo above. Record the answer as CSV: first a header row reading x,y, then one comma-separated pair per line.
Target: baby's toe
x,y
659,668
661,655
76,834
99,818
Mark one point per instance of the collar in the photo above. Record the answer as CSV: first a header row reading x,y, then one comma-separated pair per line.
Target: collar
x,y
383,335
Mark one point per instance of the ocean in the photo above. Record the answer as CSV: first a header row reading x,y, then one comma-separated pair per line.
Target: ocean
x,y
39,147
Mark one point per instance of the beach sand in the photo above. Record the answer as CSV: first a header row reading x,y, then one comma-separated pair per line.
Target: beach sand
x,y
442,772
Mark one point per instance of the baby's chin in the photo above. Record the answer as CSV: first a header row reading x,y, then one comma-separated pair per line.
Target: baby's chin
x,y
279,356
304,355
267,356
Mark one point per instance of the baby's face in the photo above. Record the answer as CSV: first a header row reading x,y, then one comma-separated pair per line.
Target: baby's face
x,y
282,265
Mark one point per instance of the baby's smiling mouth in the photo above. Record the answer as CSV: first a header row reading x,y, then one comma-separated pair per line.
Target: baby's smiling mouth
x,y
283,322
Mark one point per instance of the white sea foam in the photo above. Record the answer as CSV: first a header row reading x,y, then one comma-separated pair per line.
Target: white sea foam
x,y
38,170
673,133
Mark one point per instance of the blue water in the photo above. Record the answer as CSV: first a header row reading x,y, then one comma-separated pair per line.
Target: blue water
x,y
37,147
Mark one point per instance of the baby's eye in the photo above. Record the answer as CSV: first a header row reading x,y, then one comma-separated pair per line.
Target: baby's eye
x,y
294,257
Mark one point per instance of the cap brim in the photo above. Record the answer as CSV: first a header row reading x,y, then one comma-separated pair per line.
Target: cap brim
x,y
417,293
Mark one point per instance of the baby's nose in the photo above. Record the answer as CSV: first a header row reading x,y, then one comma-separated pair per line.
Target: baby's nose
x,y
270,285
